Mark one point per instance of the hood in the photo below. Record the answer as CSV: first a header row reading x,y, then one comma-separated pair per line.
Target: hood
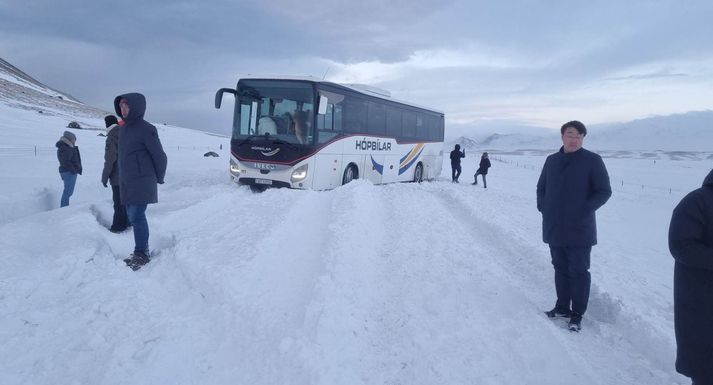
x,y
137,106
709,179
63,142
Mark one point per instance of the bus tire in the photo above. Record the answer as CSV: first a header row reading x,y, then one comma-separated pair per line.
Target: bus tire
x,y
350,173
418,173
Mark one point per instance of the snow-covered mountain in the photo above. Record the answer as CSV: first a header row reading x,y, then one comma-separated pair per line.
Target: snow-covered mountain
x,y
21,91
690,132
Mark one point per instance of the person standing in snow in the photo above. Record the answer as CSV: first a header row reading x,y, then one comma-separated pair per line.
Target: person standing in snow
x,y
70,164
110,173
574,183
690,240
456,156
482,169
142,164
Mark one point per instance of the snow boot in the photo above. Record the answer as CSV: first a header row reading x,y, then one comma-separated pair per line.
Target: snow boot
x,y
559,312
137,260
575,322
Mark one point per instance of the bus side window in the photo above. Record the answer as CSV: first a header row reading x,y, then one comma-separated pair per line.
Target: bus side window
x,y
355,115
330,124
377,119
409,128
421,130
393,122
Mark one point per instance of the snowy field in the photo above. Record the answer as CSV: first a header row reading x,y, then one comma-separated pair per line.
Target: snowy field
x,y
432,283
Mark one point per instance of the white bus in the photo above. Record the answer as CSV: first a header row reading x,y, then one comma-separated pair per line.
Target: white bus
x,y
306,133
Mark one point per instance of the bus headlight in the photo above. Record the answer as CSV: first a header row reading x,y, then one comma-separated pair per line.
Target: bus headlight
x,y
299,174
234,168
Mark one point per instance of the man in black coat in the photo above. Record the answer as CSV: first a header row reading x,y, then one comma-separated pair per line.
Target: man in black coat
x,y
482,169
573,184
110,173
456,156
142,164
690,240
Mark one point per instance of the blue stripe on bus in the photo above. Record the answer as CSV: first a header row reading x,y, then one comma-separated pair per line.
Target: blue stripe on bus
x,y
379,167
406,167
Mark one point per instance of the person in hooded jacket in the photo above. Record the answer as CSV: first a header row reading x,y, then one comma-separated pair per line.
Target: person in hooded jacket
x,y
110,173
574,183
142,165
690,240
70,164
456,156
482,169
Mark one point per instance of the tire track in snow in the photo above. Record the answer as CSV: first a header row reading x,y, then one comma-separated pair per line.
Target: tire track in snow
x,y
602,339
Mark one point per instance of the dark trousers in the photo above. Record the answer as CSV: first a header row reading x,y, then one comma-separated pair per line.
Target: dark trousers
x,y
485,183
119,223
455,172
572,278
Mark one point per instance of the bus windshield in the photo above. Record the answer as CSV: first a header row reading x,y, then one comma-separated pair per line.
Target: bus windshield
x,y
282,110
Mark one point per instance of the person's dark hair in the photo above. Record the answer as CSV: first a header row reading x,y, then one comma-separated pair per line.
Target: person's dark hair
x,y
457,146
577,125
110,120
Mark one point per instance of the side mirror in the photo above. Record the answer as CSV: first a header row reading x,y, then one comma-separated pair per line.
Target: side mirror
x,y
322,105
219,95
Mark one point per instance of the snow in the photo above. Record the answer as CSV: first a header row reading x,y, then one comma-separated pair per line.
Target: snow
x,y
432,283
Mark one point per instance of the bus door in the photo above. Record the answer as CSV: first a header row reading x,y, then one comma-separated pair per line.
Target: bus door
x,y
328,159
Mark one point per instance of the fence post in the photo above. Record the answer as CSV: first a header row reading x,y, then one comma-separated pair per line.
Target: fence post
x,y
35,150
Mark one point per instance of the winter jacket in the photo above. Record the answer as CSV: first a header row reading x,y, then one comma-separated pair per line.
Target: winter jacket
x,y
572,186
142,161
69,158
456,155
110,173
484,166
690,240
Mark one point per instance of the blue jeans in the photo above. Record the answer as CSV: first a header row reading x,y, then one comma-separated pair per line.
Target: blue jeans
x,y
70,179
137,217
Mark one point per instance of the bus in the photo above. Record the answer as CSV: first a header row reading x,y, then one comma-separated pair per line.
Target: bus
x,y
306,133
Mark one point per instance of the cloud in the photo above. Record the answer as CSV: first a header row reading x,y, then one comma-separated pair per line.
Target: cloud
x,y
524,61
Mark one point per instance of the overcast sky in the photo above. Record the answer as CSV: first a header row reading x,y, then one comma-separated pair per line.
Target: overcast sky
x,y
485,63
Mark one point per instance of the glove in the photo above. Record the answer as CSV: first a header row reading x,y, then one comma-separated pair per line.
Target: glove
x,y
160,182
104,183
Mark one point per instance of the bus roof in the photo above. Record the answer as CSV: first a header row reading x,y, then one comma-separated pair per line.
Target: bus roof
x,y
359,88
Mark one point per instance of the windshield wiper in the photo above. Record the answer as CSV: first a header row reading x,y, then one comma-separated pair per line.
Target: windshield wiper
x,y
248,138
280,141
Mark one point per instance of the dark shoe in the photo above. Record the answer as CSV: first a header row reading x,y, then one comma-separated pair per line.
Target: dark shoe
x,y
475,183
575,322
557,312
137,260
117,231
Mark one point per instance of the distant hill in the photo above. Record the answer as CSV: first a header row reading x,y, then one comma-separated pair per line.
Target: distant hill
x,y
691,131
20,90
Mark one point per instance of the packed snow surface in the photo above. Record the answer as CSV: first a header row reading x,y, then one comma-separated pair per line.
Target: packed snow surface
x,y
431,283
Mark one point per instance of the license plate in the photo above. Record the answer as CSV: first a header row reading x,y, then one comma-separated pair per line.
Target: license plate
x,y
263,181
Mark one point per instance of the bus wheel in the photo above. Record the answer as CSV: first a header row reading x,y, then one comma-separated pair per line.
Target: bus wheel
x,y
418,173
350,174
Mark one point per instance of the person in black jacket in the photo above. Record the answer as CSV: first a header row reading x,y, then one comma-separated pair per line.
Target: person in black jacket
x,y
142,165
456,156
110,173
70,164
482,169
573,184
690,240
